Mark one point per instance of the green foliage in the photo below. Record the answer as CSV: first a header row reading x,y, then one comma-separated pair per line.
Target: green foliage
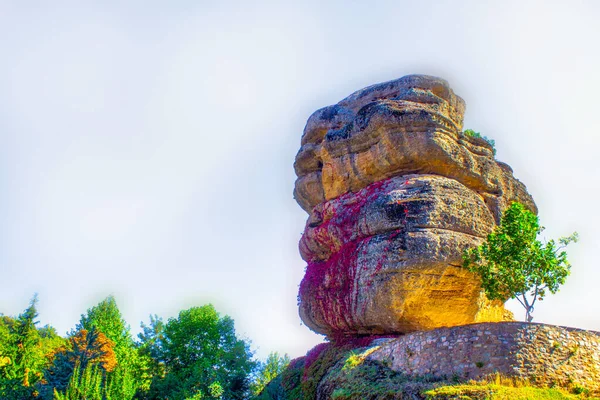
x,y
84,384
22,354
315,370
85,353
101,360
369,380
132,372
194,356
513,263
287,385
578,389
361,378
92,383
291,379
353,369
472,133
123,370
215,390
150,349
106,318
51,343
121,383
353,361
57,376
269,370
198,349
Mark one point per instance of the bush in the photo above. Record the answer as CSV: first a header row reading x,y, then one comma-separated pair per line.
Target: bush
x,y
472,133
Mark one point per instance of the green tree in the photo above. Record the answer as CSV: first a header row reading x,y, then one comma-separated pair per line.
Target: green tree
x,y
120,384
101,336
5,360
84,384
92,383
514,264
51,343
107,318
150,346
22,356
269,370
83,351
202,357
132,369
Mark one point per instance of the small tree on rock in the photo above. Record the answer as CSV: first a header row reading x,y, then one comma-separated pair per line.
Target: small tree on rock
x,y
514,264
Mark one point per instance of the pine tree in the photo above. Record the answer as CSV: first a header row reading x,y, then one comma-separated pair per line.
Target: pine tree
x,y
23,357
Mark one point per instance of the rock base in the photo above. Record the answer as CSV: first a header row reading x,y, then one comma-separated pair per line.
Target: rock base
x,y
407,366
540,353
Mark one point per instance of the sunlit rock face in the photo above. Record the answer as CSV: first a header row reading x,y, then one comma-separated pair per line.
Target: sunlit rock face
x,y
395,192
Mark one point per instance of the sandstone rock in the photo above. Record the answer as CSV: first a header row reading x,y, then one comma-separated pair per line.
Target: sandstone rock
x,y
395,192
411,125
387,258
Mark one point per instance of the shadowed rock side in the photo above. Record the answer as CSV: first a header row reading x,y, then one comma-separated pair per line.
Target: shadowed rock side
x,y
395,192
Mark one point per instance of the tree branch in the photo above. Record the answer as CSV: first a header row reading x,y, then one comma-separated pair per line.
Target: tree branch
x,y
535,296
521,302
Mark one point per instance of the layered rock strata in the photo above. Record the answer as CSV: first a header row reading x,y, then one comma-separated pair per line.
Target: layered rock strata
x,y
395,192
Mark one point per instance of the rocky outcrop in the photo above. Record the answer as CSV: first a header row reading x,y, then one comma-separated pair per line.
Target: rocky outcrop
x,y
409,366
410,125
395,192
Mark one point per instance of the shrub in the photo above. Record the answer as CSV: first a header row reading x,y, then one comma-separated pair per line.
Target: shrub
x,y
472,133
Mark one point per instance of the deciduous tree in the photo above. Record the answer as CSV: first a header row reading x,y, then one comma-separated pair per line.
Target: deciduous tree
x,y
131,368
514,264
84,349
201,353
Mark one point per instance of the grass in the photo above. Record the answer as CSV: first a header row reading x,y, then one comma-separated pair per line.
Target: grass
x,y
355,359
498,387
499,392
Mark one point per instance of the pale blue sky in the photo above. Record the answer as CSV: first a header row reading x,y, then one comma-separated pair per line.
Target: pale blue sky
x,y
147,148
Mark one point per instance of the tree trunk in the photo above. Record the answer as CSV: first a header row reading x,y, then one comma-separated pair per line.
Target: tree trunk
x,y
529,314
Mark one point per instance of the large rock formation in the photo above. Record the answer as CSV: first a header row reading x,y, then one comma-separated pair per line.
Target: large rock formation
x,y
395,192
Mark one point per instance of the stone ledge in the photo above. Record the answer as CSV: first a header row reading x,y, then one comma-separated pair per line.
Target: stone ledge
x,y
544,354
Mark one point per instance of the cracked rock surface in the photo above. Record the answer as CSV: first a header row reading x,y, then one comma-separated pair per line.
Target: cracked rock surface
x,y
395,193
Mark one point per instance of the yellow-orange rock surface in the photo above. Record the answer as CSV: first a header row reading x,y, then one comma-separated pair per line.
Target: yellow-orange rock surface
x,y
410,125
395,192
